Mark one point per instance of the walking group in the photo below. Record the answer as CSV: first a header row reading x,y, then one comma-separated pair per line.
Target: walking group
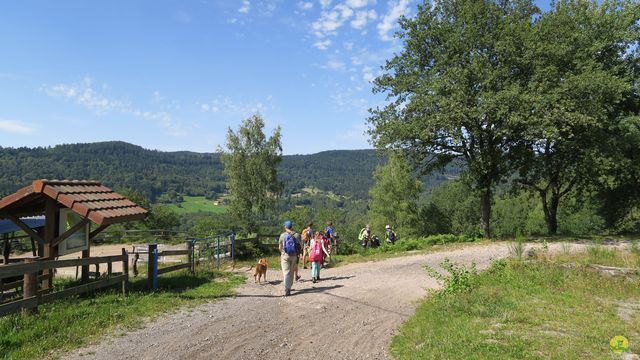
x,y
307,246
316,248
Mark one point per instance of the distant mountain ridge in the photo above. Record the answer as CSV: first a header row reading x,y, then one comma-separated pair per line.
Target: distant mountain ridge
x,y
122,165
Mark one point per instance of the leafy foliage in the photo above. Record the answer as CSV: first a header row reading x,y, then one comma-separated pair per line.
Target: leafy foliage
x,y
459,278
250,163
393,198
456,89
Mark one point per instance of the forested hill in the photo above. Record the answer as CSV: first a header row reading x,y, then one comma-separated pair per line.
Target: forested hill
x,y
122,165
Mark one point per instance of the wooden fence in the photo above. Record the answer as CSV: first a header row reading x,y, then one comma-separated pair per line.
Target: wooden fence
x,y
33,271
152,254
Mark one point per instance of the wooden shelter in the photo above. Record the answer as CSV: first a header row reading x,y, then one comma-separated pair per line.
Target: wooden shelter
x,y
88,201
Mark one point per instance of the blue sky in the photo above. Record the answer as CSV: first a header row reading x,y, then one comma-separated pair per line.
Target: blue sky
x,y
174,75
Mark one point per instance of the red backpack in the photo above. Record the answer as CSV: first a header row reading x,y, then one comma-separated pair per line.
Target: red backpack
x,y
315,252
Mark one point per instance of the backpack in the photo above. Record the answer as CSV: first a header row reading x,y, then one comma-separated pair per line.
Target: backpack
x,y
316,252
392,236
307,234
328,232
361,236
290,246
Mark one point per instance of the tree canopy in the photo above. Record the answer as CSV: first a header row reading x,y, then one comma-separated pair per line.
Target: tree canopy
x,y
250,164
456,89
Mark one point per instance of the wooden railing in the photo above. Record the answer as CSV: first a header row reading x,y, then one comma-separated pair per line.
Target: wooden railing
x,y
31,271
152,253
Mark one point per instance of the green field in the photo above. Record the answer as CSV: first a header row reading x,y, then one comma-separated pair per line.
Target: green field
x,y
527,310
195,204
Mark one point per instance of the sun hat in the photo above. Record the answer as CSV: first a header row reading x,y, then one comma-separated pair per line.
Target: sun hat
x,y
288,224
388,227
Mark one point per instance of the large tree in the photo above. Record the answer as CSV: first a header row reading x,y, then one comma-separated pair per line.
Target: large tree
x,y
394,197
250,164
456,90
580,88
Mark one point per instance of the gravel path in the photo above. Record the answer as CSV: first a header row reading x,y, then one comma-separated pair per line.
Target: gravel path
x,y
351,314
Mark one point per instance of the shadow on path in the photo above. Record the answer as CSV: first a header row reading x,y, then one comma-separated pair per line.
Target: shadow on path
x,y
369,305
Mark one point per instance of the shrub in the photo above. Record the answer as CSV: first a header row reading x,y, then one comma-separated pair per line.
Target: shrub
x,y
516,248
459,279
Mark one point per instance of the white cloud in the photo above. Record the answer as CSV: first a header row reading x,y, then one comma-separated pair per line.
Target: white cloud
x,y
367,74
16,127
389,21
348,45
362,18
322,44
325,3
356,4
330,21
246,6
85,94
305,5
228,106
334,64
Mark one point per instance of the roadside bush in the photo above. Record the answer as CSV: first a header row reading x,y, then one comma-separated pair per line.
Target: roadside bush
x,y
459,277
516,249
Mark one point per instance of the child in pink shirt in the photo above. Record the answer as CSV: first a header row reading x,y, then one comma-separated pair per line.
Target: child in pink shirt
x,y
317,251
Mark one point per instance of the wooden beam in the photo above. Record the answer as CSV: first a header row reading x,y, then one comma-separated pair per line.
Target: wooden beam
x,y
97,231
24,227
52,218
69,232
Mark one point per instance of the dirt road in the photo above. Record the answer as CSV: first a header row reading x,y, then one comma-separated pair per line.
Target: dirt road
x,y
351,314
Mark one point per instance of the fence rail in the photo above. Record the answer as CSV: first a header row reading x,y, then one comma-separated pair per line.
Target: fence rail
x,y
31,273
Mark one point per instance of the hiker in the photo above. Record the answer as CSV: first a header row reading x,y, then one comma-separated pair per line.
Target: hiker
x,y
307,235
317,253
391,235
365,236
329,233
290,248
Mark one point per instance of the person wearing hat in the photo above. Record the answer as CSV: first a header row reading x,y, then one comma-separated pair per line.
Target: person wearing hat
x,y
290,245
365,236
391,235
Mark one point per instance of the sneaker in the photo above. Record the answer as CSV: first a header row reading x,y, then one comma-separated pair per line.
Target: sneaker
x,y
313,280
304,267
318,278
287,293
298,278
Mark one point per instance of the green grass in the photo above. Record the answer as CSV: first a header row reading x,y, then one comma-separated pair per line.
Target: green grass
x,y
195,204
519,310
75,322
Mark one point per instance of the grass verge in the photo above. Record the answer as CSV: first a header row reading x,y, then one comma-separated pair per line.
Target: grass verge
x,y
74,322
525,310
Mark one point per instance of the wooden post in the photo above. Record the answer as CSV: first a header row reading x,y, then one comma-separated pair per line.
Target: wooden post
x,y
85,268
6,252
136,257
52,224
109,268
190,255
125,271
97,271
152,269
30,286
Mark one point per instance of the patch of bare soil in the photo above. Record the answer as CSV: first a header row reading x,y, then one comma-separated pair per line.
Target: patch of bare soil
x,y
352,313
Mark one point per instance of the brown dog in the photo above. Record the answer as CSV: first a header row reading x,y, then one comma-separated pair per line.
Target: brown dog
x,y
261,270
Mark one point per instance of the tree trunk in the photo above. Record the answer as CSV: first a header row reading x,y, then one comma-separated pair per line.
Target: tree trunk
x,y
485,206
550,209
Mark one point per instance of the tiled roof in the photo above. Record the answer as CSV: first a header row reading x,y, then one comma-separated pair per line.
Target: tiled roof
x,y
87,198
